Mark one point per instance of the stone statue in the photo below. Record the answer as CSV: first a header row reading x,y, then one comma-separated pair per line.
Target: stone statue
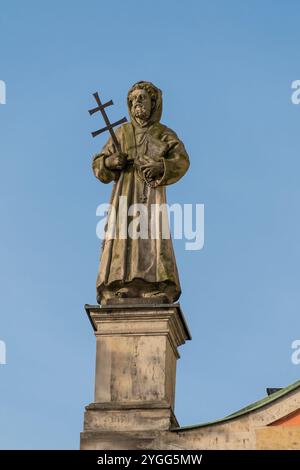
x,y
139,269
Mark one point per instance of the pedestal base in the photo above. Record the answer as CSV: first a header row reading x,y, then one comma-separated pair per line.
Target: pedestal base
x,y
135,374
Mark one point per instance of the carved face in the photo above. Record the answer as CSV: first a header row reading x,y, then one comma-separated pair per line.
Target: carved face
x,y
141,104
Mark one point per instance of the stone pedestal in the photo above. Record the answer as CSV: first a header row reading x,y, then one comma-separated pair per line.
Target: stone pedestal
x,y
136,358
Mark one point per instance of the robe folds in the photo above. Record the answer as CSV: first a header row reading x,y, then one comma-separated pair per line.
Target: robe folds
x,y
143,261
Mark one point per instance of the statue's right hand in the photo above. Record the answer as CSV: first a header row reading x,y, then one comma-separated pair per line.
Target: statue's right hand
x,y
116,161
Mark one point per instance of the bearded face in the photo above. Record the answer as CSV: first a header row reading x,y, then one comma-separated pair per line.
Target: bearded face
x,y
141,105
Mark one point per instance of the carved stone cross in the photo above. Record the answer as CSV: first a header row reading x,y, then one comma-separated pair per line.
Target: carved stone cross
x,y
109,127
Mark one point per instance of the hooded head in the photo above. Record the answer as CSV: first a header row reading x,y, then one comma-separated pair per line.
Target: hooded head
x,y
144,102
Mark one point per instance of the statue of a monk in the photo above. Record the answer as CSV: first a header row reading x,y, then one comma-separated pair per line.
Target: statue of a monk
x,y
144,268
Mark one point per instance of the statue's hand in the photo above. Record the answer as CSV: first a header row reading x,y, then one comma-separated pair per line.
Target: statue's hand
x,y
153,170
116,161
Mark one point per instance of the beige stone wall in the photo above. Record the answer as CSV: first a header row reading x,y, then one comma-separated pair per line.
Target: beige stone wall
x,y
278,438
248,432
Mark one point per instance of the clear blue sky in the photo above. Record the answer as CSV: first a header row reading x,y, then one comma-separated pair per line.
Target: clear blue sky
x,y
226,70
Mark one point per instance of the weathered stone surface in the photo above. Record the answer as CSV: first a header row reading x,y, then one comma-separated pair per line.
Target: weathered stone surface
x,y
135,384
278,438
136,354
148,156
153,418
117,440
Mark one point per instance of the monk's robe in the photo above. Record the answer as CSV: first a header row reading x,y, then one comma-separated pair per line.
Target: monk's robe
x,y
141,264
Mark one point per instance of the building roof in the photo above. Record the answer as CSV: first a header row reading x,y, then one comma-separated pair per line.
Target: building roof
x,y
247,409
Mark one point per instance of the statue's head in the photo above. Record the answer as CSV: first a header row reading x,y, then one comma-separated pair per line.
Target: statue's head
x,y
144,103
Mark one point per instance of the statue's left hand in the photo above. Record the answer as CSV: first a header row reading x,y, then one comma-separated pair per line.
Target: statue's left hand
x,y
153,169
